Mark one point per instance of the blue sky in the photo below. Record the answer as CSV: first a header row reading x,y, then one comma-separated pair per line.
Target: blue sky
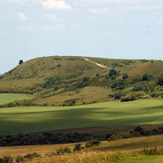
x,y
129,29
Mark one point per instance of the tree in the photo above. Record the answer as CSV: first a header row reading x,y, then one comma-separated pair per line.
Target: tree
x,y
145,77
20,62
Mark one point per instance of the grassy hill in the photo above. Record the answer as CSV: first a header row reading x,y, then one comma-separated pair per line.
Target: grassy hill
x,y
81,80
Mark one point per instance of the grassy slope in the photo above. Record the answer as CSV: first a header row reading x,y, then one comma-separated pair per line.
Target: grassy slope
x,y
87,94
30,77
36,70
126,150
10,97
35,119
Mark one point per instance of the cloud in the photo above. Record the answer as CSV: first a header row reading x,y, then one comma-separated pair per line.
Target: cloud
x,y
53,4
22,16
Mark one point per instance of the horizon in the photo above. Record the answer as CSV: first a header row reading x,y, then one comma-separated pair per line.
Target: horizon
x,y
77,56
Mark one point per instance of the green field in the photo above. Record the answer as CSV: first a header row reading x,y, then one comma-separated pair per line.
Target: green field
x,y
10,97
34,119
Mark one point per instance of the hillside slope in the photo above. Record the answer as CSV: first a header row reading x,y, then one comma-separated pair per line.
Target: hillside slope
x,y
77,80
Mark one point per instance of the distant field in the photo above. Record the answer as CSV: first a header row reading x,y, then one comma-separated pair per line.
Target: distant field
x,y
35,119
10,97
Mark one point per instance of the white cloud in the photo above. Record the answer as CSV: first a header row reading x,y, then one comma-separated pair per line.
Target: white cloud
x,y
22,16
53,4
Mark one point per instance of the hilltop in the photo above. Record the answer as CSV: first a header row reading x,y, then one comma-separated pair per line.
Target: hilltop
x,y
79,80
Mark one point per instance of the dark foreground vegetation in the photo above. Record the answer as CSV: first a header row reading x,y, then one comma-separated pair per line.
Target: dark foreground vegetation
x,y
62,138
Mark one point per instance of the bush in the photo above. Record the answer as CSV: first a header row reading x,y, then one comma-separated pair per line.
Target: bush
x,y
112,137
160,81
138,129
56,88
20,159
117,96
137,88
153,151
92,143
2,160
8,159
127,98
125,76
31,155
113,77
145,77
85,79
78,147
114,85
62,151
112,72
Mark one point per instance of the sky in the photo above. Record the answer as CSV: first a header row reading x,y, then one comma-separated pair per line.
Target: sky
x,y
128,29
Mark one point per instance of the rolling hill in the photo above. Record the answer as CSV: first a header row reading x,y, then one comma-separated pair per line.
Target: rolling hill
x,y
81,80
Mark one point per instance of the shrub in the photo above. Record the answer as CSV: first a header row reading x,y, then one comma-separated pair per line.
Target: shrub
x,y
113,77
8,159
31,155
20,159
114,85
67,150
137,88
85,79
112,72
125,76
78,147
145,77
138,129
92,143
155,94
160,81
56,88
152,151
117,96
2,160
127,98
112,137
62,151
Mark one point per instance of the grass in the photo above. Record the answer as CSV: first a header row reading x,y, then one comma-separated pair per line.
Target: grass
x,y
35,119
87,94
119,151
10,97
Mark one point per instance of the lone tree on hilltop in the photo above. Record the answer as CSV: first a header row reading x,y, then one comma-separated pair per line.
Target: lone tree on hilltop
x,y
20,62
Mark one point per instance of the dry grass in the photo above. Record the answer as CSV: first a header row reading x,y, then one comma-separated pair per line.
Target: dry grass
x,y
122,145
87,94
